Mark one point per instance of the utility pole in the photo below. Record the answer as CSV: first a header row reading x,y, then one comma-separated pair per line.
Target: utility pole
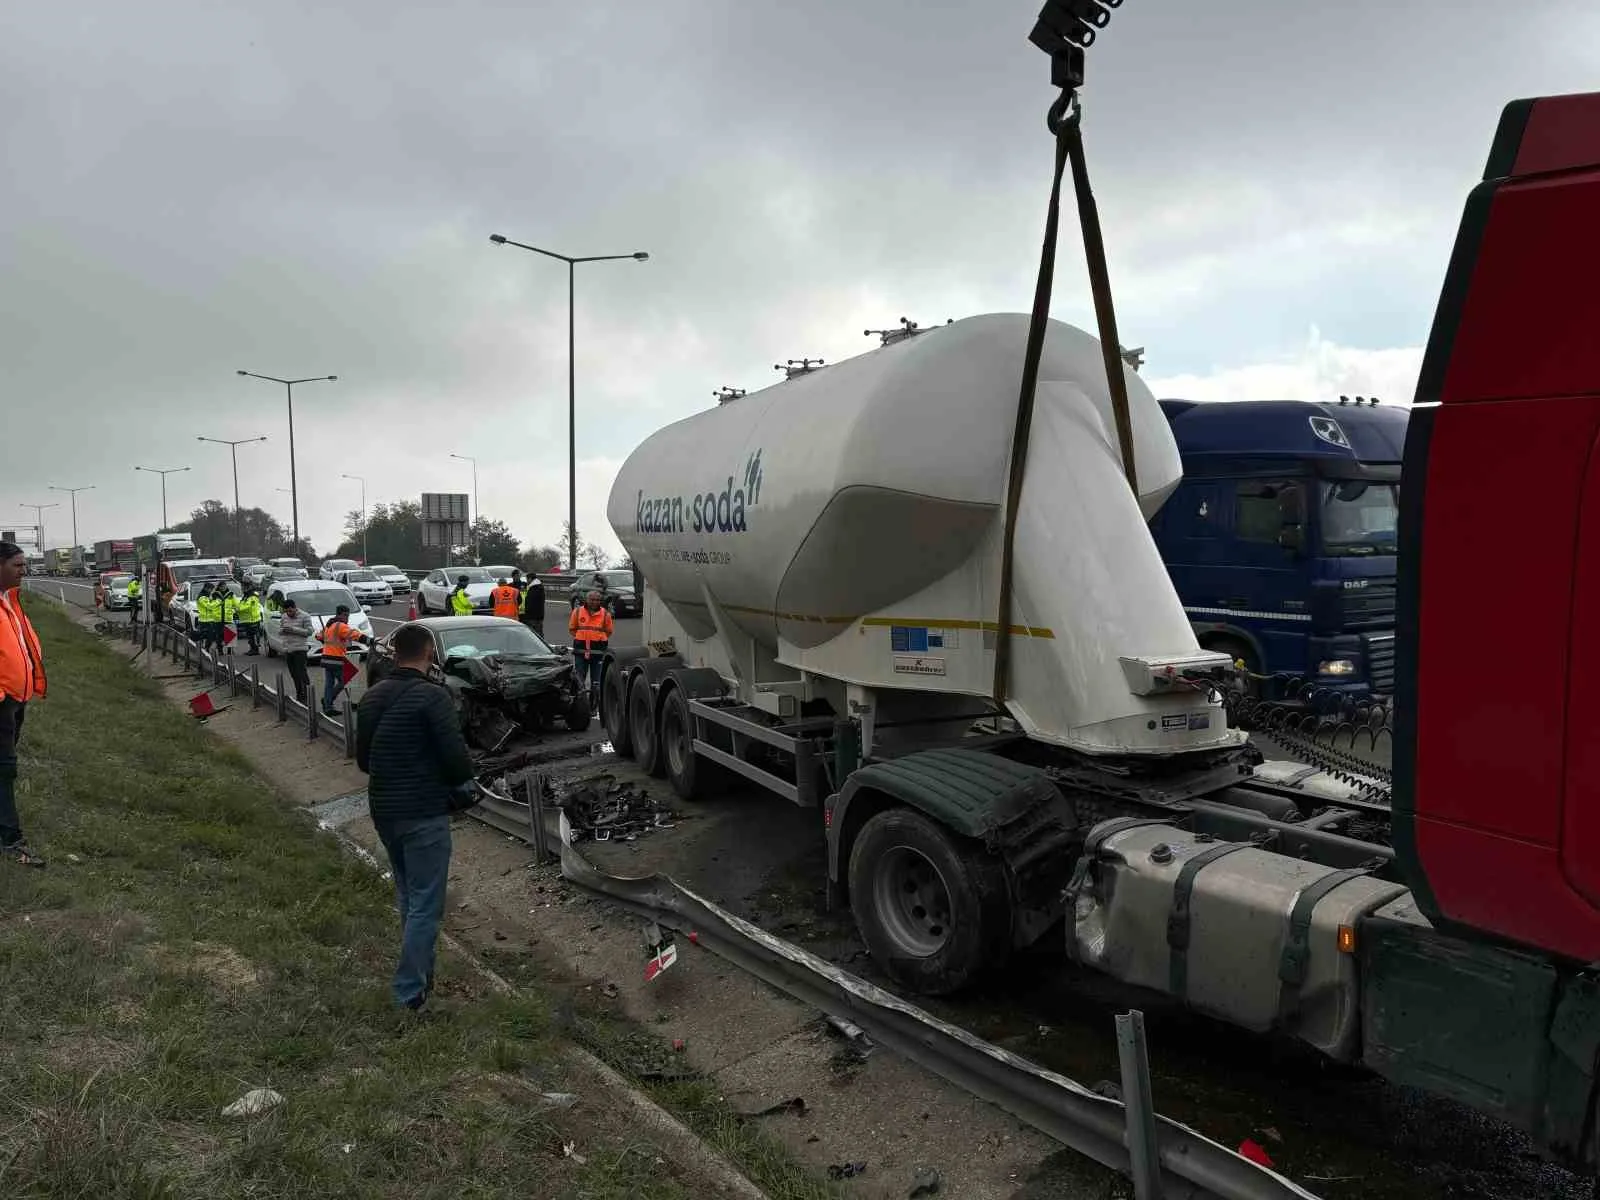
x,y
572,367
294,487
477,558
233,448
38,520
73,492
364,560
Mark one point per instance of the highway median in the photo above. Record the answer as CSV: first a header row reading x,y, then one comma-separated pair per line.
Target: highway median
x,y
197,941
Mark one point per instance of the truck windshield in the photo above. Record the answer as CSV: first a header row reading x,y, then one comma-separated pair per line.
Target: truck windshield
x,y
1359,517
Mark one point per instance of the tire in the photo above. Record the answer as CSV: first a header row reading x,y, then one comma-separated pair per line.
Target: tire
x,y
578,715
642,727
614,707
422,605
689,775
932,908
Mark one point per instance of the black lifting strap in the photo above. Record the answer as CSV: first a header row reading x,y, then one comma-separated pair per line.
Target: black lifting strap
x,y
1295,960
1178,919
1065,123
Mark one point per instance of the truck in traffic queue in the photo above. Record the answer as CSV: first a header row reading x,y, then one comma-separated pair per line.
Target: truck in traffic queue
x,y
1281,537
59,561
115,555
164,547
826,562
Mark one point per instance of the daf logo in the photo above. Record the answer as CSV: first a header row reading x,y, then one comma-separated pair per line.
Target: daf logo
x,y
1352,584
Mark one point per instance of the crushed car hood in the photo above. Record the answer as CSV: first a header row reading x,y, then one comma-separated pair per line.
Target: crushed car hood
x,y
512,678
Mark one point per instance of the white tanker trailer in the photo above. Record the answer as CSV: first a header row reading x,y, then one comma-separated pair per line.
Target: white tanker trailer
x,y
823,568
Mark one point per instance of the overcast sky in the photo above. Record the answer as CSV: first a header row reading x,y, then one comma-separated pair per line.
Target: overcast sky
x,y
300,189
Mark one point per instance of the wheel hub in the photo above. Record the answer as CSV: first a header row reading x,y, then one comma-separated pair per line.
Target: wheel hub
x,y
913,902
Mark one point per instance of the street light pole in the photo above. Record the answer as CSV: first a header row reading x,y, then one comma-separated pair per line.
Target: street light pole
x,y
73,492
572,373
233,448
476,557
294,486
363,484
163,474
38,521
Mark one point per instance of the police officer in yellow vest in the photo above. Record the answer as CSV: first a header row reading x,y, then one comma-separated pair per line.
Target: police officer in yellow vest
x,y
460,602
208,618
133,600
230,612
250,620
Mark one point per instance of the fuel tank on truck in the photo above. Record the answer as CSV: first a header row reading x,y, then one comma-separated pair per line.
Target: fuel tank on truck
x,y
850,521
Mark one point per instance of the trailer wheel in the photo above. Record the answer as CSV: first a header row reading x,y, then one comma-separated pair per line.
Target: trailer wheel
x,y
932,909
685,770
642,727
614,708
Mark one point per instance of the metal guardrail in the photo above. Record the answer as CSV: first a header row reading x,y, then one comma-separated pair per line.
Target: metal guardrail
x,y
224,671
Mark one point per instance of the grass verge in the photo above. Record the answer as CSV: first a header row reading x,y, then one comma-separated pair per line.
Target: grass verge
x,y
194,938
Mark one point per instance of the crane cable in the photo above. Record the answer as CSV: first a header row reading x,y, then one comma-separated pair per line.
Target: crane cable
x,y
1065,122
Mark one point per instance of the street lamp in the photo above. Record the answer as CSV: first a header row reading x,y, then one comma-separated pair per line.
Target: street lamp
x,y
233,448
73,492
38,521
572,373
363,484
294,487
163,474
476,558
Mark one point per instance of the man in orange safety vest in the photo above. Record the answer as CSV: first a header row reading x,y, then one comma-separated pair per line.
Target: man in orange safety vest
x,y
337,636
21,680
591,628
506,600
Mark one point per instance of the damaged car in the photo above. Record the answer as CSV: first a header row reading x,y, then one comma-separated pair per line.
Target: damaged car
x,y
505,680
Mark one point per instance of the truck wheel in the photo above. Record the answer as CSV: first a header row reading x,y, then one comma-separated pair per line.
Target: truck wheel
x,y
1236,650
642,727
932,909
614,708
689,775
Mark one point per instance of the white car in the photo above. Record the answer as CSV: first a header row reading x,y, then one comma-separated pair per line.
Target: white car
x,y
317,599
332,568
369,589
433,593
183,613
399,582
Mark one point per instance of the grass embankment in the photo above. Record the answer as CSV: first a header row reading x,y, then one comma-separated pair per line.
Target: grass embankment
x,y
194,938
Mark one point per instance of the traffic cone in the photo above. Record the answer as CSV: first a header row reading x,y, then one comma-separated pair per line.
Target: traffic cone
x,y
411,613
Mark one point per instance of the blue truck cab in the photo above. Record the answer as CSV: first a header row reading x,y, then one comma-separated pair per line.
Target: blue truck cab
x,y
1281,538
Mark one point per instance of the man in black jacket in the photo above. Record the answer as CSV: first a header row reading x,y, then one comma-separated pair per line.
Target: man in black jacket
x,y
408,740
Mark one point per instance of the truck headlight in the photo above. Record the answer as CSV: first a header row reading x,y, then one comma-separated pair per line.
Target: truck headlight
x,y
1336,666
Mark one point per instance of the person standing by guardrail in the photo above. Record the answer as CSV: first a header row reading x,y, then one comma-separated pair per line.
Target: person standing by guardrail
x,y
134,590
294,631
21,680
591,628
533,605
337,636
208,618
250,619
230,616
460,602
409,742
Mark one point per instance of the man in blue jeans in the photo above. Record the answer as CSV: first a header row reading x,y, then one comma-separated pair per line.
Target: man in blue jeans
x,y
408,741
